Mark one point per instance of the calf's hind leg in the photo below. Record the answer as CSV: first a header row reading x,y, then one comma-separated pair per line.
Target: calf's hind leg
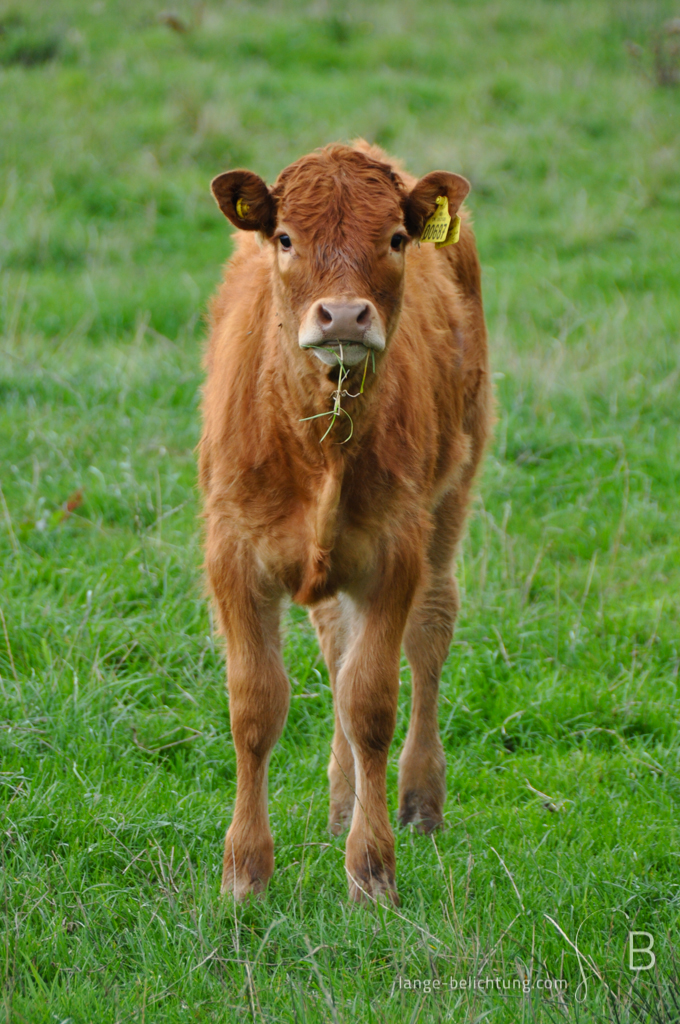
x,y
427,638
422,764
327,619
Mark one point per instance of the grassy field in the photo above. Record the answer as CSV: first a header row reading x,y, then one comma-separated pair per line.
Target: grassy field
x,y
560,703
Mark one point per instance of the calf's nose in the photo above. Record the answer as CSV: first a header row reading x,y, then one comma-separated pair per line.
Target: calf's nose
x,y
344,321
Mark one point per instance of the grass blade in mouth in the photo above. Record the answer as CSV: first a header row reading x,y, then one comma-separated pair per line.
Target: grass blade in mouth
x,y
337,395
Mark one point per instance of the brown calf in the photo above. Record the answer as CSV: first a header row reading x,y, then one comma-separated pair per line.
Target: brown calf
x,y
329,301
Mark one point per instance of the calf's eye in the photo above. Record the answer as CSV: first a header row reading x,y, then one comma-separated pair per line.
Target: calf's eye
x,y
396,242
285,242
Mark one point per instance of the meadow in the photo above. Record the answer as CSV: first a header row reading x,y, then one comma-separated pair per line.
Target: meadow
x,y
559,705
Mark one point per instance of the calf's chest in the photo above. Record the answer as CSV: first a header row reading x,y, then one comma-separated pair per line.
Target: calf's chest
x,y
336,533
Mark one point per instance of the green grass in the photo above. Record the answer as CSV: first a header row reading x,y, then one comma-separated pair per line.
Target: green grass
x,y
117,768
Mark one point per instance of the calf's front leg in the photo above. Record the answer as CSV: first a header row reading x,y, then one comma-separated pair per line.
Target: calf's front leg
x,y
258,705
259,696
366,699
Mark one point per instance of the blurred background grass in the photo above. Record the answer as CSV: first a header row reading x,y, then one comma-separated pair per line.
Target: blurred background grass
x,y
114,122
117,769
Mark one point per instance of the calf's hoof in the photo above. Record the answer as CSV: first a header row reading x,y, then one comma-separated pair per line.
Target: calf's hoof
x,y
340,816
370,873
373,888
421,811
246,869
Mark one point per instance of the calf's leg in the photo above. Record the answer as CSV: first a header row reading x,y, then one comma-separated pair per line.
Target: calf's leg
x,y
258,705
429,630
331,631
259,695
422,764
366,698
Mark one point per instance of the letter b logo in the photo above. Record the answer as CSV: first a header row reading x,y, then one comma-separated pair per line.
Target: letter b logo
x,y
643,950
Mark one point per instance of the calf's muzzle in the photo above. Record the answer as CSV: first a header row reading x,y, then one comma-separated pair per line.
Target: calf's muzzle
x,y
342,330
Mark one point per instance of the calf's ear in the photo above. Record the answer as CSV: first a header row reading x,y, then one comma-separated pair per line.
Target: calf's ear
x,y
245,200
421,202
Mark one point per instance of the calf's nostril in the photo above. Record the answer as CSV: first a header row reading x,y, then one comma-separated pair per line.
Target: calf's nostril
x,y
325,315
364,316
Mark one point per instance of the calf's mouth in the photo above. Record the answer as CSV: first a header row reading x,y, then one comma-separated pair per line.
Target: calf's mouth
x,y
342,330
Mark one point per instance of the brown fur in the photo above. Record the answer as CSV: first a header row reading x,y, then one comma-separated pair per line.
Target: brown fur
x,y
365,532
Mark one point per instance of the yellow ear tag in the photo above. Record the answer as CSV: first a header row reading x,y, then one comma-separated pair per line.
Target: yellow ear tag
x,y
453,234
242,208
437,227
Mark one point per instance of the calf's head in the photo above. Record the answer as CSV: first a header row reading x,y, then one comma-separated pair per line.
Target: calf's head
x,y
339,222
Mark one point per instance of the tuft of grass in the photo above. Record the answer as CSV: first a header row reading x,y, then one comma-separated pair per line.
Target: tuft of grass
x,y
559,706
24,44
